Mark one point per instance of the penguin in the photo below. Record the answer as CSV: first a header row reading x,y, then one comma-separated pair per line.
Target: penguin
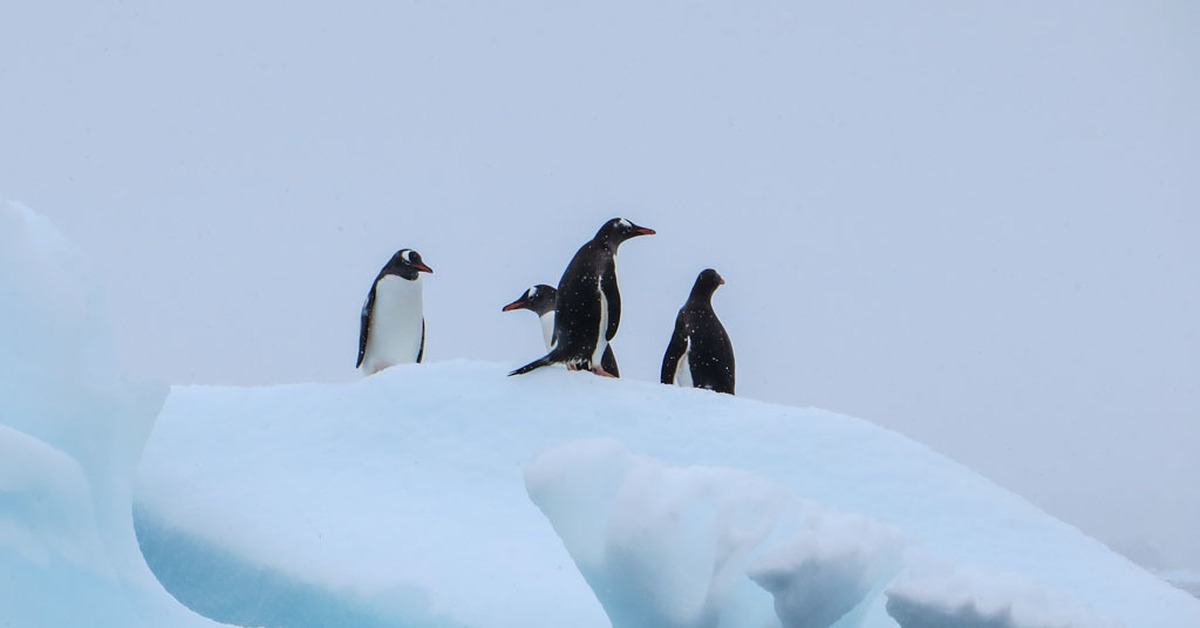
x,y
700,354
587,309
393,319
540,300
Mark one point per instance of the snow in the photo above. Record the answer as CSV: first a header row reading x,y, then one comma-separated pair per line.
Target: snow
x,y
467,498
448,495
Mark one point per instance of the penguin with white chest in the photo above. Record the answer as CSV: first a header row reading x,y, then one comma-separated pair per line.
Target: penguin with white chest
x,y
700,354
393,317
587,308
540,300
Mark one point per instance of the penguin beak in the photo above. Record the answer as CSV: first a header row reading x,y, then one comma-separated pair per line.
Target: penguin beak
x,y
515,305
423,268
642,231
720,281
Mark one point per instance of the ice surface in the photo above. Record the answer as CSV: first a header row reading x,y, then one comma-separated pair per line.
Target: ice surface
x,y
402,507
71,433
416,497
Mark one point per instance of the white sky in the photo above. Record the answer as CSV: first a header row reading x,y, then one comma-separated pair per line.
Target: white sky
x,y
976,224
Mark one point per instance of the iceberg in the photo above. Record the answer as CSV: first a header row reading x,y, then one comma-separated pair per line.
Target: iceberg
x,y
448,495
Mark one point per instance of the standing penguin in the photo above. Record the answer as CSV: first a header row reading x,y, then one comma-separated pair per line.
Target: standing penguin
x,y
540,300
700,354
587,311
393,318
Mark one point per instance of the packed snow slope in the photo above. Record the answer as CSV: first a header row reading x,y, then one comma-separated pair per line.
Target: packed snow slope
x,y
447,494
71,434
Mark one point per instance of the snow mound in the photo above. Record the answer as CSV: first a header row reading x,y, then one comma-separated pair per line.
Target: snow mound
x,y
71,433
948,596
447,494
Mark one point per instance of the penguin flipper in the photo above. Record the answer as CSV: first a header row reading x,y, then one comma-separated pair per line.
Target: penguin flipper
x,y
545,360
674,353
421,351
612,296
608,362
365,325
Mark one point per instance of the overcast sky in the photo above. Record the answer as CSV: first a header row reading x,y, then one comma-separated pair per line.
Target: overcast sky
x,y
977,224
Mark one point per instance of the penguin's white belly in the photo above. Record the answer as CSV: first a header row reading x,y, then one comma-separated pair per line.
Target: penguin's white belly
x,y
601,341
683,370
548,329
396,324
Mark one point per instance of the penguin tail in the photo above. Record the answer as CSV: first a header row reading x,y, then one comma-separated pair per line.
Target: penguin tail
x,y
545,360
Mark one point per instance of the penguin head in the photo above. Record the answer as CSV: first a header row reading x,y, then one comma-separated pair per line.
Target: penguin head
x,y
540,299
707,283
618,230
406,263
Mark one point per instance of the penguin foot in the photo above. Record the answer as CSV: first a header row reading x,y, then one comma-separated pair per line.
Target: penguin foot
x,y
599,370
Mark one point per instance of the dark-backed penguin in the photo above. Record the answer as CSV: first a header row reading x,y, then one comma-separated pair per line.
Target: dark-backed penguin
x,y
393,318
700,354
587,309
540,300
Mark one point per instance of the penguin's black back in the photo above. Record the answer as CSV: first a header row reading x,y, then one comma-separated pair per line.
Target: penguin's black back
x,y
541,300
546,300
710,353
577,313
699,332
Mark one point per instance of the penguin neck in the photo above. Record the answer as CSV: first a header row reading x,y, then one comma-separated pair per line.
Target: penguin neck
x,y
399,292
402,271
543,308
701,295
607,242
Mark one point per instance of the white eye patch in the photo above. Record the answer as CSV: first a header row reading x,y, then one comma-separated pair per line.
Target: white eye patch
x,y
407,256
625,223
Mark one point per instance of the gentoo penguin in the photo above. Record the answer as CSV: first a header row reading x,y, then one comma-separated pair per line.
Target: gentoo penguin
x,y
587,310
540,300
700,354
393,319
